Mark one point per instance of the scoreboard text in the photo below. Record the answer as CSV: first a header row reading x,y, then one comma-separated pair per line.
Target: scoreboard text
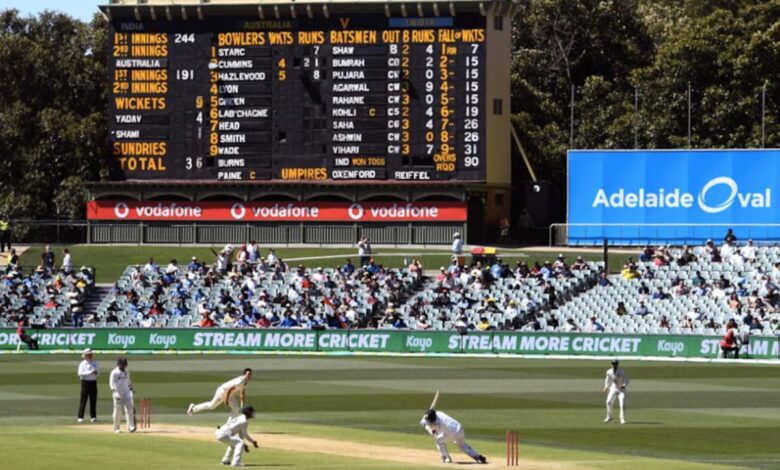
x,y
360,97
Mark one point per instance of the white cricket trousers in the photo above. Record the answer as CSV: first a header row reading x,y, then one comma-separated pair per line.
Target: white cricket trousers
x,y
235,447
124,400
219,398
621,396
459,439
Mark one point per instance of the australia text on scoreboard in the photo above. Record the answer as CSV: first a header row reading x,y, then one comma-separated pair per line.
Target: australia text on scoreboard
x,y
358,97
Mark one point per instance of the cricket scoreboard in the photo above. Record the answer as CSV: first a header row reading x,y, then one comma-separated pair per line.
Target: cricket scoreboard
x,y
347,97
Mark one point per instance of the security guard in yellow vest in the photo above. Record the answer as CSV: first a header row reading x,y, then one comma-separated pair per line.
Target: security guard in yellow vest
x,y
5,233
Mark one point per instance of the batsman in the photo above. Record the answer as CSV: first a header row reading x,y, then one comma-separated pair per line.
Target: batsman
x,y
442,427
122,394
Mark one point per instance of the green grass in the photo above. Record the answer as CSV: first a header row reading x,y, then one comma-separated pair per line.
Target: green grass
x,y
680,415
110,261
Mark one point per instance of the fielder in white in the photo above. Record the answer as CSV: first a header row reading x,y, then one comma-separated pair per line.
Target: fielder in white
x,y
122,393
226,393
233,433
444,428
615,386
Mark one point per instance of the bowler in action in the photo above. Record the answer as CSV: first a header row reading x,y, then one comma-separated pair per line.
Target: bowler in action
x,y
226,393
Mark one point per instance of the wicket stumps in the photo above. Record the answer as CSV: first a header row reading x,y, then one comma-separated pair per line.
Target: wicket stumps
x,y
512,454
146,413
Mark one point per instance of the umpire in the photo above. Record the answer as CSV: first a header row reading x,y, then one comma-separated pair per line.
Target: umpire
x,y
88,372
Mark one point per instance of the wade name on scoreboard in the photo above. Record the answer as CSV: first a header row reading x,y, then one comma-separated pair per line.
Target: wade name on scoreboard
x,y
358,97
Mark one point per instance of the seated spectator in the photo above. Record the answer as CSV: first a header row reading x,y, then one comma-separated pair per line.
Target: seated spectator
x,y
570,326
686,257
603,280
643,289
150,266
687,324
715,257
205,320
579,264
348,268
663,322
730,237
630,272
695,314
194,265
647,254
621,309
749,251
680,289
483,324
423,323
698,279
629,264
710,323
734,303
641,310
594,326
659,294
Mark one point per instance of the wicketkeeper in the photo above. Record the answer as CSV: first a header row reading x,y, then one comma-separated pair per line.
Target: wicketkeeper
x,y
226,393
443,428
233,433
122,394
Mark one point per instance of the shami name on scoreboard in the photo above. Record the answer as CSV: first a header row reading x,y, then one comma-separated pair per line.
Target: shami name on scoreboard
x,y
359,97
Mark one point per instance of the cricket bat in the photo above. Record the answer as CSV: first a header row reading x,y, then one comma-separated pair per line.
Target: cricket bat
x,y
435,399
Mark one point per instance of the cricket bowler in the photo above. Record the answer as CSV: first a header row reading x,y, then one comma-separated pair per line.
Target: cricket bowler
x,y
443,428
233,433
122,394
615,385
226,393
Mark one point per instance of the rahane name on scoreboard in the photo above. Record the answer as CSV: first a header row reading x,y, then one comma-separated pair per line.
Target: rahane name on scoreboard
x,y
363,97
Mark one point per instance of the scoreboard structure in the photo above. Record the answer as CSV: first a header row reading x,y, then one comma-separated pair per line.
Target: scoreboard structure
x,y
360,93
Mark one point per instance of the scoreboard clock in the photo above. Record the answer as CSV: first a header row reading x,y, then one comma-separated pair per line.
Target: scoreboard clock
x,y
345,97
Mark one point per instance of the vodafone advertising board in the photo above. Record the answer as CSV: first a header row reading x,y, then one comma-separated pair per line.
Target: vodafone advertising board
x,y
229,211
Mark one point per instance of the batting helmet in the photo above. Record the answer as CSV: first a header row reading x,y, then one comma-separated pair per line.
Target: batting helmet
x,y
248,411
430,415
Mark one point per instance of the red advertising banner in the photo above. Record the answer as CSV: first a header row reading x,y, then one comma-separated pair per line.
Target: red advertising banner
x,y
229,211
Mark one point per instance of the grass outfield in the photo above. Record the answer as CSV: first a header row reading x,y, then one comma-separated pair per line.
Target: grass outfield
x,y
687,416
110,261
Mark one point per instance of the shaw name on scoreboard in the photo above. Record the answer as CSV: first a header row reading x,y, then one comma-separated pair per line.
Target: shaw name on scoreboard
x,y
346,97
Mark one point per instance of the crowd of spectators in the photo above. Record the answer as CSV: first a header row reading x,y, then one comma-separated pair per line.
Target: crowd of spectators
x,y
46,295
696,289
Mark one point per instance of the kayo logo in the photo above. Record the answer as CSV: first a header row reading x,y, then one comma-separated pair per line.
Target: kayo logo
x,y
710,199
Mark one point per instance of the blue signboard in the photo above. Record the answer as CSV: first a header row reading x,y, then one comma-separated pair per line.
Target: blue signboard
x,y
635,197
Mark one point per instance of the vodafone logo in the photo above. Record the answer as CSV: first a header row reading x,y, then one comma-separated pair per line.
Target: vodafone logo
x,y
238,211
356,211
121,210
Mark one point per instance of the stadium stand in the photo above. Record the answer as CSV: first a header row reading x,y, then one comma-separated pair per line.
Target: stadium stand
x,y
684,291
271,295
46,298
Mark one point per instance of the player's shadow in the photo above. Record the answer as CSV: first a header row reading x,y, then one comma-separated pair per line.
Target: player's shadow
x,y
645,423
273,433
267,465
